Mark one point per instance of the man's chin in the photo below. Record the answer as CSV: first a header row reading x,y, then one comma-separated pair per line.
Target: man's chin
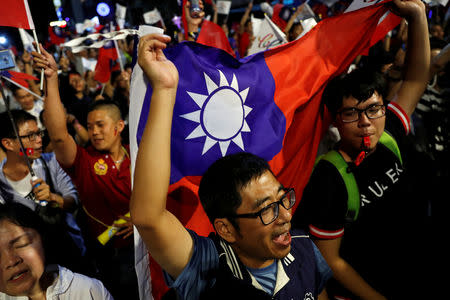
x,y
280,254
100,147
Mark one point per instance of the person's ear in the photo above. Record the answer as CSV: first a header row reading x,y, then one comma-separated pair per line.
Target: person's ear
x,y
8,144
120,125
225,229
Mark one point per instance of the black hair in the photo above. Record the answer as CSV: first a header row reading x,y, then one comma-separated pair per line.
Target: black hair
x,y
24,216
73,72
436,43
221,184
6,127
360,84
105,104
13,88
59,247
114,76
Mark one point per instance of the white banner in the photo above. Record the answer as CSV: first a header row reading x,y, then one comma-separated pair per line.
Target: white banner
x,y
120,11
223,7
152,17
120,15
99,39
307,25
268,36
27,40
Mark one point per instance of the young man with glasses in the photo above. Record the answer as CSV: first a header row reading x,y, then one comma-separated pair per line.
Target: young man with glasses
x,y
254,254
52,185
371,247
15,178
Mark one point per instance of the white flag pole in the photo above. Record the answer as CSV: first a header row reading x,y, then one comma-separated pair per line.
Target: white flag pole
x,y
39,51
103,89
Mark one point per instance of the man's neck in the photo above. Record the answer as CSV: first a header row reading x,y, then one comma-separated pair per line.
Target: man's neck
x,y
79,95
46,280
116,151
15,167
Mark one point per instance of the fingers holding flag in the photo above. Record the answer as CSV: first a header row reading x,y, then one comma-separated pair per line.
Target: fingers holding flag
x,y
45,60
160,71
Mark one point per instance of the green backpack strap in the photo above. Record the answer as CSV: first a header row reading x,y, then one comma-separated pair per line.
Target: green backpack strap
x,y
387,140
341,165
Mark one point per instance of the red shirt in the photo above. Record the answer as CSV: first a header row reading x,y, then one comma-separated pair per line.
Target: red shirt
x,y
104,190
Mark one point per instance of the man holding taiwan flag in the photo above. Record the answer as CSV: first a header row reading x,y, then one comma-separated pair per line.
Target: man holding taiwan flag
x,y
255,245
202,109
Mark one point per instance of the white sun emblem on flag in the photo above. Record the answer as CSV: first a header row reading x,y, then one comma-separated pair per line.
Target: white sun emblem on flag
x,y
222,114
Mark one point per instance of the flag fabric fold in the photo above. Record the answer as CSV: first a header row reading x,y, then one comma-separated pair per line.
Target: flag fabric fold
x,y
27,40
213,35
20,78
16,13
106,63
268,104
56,35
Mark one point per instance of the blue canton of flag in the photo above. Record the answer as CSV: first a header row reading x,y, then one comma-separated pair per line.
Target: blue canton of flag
x,y
223,106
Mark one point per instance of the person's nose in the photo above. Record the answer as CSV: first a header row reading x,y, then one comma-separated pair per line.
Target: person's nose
x,y
363,120
284,215
10,259
38,139
95,130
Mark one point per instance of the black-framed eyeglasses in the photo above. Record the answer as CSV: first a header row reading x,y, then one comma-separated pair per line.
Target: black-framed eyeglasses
x,y
270,213
353,114
32,136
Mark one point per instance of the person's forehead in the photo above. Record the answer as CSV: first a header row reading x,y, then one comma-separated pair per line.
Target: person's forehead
x,y
259,188
28,126
99,114
353,102
22,92
10,231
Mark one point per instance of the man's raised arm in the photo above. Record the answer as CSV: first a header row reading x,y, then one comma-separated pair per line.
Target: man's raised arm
x,y
167,240
417,60
65,147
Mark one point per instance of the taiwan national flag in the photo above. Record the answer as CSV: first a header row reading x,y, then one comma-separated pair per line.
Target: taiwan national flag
x,y
106,63
19,78
16,13
268,104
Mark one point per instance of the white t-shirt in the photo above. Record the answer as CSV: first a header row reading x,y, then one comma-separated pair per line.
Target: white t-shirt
x,y
22,187
71,286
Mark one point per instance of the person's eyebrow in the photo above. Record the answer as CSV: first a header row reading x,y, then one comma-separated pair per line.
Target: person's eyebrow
x,y
259,202
17,239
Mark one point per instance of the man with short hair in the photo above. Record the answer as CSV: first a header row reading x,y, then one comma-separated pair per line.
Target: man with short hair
x,y
101,173
254,253
358,204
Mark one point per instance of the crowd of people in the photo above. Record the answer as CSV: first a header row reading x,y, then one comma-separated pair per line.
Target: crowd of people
x,y
363,228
